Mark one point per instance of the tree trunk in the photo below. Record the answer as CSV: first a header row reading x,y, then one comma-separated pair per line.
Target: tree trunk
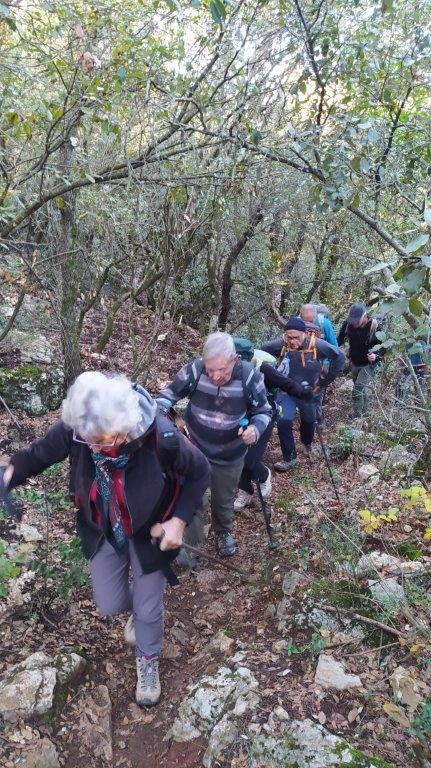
x,y
70,270
227,270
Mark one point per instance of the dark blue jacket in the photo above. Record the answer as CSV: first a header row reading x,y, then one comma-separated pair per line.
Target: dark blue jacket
x,y
305,364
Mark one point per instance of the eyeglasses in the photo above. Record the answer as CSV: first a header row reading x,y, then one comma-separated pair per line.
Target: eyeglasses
x,y
296,337
112,444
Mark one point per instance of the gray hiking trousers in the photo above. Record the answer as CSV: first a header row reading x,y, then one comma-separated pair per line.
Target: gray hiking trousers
x,y
362,377
114,594
224,483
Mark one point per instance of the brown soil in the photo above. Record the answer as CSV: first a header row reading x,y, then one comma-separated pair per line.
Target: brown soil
x,y
206,601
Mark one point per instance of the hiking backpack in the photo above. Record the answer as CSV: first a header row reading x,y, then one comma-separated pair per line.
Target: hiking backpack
x,y
244,348
167,442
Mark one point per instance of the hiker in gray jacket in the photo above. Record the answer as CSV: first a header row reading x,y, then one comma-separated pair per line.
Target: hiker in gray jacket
x,y
222,392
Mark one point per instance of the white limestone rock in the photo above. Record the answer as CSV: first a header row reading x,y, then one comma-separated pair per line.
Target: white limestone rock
x,y
211,698
331,674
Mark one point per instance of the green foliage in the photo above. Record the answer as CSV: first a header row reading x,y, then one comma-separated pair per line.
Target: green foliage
x,y
315,645
53,470
69,572
8,569
39,500
421,723
345,593
32,497
343,443
360,760
338,548
409,550
173,143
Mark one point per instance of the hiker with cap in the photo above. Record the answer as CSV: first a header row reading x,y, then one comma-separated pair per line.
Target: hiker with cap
x,y
130,469
254,470
360,331
301,357
223,391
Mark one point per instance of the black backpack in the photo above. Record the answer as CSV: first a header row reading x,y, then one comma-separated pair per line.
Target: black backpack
x,y
167,442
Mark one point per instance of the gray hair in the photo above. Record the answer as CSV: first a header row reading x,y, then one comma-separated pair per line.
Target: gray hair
x,y
308,308
322,309
98,405
219,344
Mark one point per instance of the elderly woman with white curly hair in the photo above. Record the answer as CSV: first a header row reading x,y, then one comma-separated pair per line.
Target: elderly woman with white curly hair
x,y
130,470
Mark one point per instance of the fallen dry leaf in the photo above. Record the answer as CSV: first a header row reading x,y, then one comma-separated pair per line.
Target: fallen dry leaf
x,y
396,713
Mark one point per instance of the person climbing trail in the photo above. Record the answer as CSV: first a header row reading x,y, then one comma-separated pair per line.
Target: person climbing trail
x,y
120,450
359,329
222,390
255,471
301,358
316,317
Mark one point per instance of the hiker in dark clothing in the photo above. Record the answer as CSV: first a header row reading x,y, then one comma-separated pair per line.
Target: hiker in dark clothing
x,y
222,391
359,330
254,469
318,319
113,434
300,357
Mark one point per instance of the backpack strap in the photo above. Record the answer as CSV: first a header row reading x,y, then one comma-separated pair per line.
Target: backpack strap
x,y
281,355
311,348
167,440
196,370
251,395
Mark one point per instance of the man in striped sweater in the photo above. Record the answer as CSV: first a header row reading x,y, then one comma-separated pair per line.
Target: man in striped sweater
x,y
222,392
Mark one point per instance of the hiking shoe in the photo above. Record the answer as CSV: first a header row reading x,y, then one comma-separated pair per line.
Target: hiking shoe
x,y
242,500
284,466
307,450
186,560
266,487
226,545
129,631
148,681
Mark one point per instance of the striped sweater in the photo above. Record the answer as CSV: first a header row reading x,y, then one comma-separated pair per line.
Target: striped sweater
x,y
213,412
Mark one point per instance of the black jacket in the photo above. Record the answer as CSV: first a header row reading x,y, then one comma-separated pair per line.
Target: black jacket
x,y
146,490
361,341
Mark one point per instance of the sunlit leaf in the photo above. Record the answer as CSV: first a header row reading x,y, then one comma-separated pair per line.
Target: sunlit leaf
x,y
417,243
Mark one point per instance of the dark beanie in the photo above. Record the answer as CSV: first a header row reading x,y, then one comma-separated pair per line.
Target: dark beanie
x,y
295,324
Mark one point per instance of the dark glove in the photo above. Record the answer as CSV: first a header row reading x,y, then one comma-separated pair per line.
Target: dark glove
x,y
306,391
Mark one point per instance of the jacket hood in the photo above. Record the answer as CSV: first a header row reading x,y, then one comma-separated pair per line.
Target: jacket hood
x,y
148,408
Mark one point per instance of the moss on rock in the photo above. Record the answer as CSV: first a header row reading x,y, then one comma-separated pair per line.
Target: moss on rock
x,y
36,389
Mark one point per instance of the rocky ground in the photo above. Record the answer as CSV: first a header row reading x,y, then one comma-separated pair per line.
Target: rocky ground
x,y
321,658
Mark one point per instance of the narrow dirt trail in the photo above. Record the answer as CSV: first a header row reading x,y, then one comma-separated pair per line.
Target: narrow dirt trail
x,y
209,600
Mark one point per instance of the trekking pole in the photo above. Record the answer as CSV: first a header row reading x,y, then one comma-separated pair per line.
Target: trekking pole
x,y
263,505
158,534
266,516
327,462
324,448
